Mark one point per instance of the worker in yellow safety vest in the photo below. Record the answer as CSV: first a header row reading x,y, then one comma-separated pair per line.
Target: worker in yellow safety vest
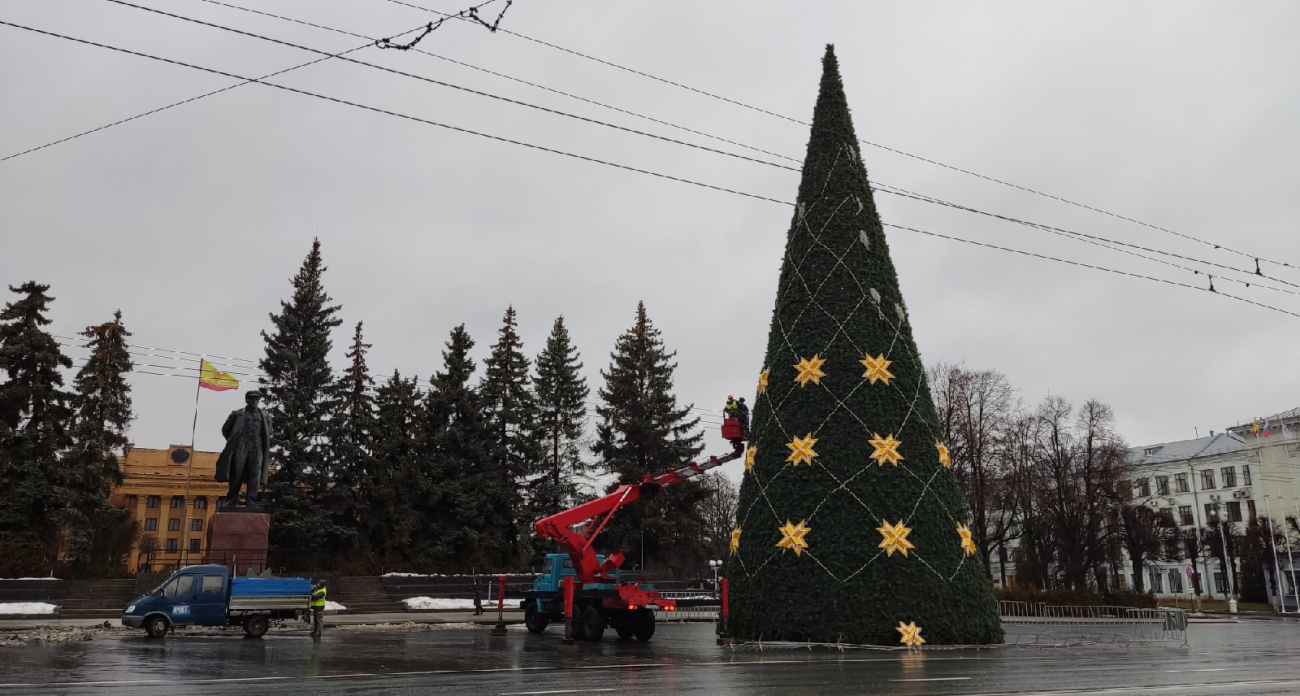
x,y
729,411
318,592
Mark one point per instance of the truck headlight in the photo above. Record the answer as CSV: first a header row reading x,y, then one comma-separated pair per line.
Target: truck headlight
x,y
130,609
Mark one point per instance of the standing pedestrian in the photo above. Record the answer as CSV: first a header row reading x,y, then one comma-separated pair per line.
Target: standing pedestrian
x,y
318,592
478,594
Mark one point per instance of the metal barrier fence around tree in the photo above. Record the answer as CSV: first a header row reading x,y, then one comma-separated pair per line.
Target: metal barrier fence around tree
x,y
1037,623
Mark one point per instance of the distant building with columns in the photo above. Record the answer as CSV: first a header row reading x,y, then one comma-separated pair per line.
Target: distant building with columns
x,y
173,515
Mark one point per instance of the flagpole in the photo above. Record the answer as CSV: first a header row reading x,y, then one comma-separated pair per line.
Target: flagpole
x,y
189,468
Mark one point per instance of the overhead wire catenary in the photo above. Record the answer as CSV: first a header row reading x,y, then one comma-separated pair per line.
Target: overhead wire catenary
x,y
593,159
1091,239
869,143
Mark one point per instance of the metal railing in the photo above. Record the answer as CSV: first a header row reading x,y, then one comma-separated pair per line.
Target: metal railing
x,y
692,605
1037,623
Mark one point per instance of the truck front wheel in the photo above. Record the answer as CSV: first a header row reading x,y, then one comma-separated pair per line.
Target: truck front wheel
x,y
593,623
535,620
644,625
156,626
256,626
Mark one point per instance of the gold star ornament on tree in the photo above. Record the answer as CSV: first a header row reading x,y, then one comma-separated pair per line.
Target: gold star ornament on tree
x,y
967,544
735,541
801,450
911,634
886,449
895,538
792,537
762,380
944,459
749,458
810,370
876,369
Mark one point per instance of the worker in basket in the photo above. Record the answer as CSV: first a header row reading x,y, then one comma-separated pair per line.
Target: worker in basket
x,y
742,414
729,411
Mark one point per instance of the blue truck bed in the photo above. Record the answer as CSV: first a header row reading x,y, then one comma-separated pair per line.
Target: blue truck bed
x,y
269,587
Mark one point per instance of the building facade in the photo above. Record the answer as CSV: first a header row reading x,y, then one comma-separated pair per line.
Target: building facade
x,y
172,494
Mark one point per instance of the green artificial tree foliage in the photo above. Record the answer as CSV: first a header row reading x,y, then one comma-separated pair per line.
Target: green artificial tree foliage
x,y
840,316
35,419
511,411
397,486
102,403
468,517
301,393
352,430
561,393
642,430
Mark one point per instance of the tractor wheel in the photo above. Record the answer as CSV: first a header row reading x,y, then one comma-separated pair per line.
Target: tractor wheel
x,y
578,625
535,620
156,626
593,623
644,625
256,626
625,632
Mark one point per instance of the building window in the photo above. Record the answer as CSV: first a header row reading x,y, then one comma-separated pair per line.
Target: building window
x,y
1162,485
1234,511
1229,476
1219,584
151,524
178,502
1185,515
1166,517
1250,511
171,545
1144,487
1180,482
1175,581
173,525
1152,450
201,502
1245,474
1190,542
1157,580
131,502
1210,513
196,525
194,545
154,501
1207,479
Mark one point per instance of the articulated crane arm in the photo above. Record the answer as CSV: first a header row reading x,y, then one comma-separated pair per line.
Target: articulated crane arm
x,y
587,566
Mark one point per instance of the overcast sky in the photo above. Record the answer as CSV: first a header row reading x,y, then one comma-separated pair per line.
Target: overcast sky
x,y
191,221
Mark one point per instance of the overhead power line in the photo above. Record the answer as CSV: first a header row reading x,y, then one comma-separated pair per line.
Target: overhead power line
x,y
605,162
1092,239
881,146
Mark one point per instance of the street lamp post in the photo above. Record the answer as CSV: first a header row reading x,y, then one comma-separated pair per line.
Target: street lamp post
x,y
715,565
1227,571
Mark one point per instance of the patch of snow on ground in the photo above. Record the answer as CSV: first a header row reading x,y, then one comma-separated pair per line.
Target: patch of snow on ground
x,y
438,603
26,608
331,605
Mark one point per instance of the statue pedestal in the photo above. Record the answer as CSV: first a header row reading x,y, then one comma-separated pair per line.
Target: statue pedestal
x,y
238,540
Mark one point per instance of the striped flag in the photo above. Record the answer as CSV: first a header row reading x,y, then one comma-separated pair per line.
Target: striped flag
x,y
212,378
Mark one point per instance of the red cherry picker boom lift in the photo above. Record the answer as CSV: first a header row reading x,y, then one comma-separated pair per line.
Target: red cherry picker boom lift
x,y
585,589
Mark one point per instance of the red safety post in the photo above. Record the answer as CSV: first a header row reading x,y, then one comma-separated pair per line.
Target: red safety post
x,y
500,628
724,635
568,611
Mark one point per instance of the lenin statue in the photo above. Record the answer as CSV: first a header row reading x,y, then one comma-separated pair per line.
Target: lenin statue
x,y
247,455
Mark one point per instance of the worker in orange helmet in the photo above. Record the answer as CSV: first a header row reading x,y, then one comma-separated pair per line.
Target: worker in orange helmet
x,y
729,411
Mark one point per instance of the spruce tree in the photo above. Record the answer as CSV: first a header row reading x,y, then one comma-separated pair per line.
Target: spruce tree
x,y
851,525
511,412
561,393
398,486
35,419
91,467
468,519
643,431
301,395
351,439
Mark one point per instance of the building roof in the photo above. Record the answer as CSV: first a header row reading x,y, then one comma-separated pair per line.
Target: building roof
x,y
1181,450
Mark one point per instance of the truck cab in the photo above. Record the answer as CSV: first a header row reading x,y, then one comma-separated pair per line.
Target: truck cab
x,y
556,568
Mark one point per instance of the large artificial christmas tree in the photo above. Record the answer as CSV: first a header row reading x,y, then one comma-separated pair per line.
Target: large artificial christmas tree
x,y
852,527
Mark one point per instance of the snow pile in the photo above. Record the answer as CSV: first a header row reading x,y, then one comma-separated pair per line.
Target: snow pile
x,y
438,603
26,608
331,605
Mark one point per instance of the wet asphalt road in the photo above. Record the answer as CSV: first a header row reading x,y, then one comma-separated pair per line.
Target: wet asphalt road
x,y
1257,657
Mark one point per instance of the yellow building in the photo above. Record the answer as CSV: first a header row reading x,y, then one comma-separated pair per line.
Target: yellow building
x,y
154,491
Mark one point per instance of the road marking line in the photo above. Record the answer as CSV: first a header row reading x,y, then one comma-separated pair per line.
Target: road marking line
x,y
1215,669
932,679
557,691
1133,689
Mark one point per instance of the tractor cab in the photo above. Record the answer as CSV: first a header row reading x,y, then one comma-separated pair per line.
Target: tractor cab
x,y
555,568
